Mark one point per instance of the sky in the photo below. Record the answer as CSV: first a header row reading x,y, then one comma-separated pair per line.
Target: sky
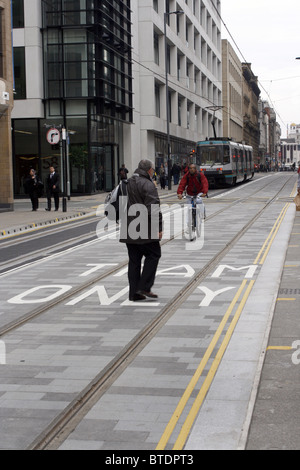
x,y
267,34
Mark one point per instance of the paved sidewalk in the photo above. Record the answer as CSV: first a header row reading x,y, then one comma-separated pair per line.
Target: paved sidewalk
x,y
274,412
276,416
23,218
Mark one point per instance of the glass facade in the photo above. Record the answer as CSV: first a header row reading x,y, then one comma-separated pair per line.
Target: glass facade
x,y
180,151
87,88
20,73
88,77
18,13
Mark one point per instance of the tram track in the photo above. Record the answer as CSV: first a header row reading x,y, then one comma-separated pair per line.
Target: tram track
x,y
66,421
42,253
79,289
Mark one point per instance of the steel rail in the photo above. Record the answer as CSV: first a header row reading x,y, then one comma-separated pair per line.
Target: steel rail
x,y
77,290
67,420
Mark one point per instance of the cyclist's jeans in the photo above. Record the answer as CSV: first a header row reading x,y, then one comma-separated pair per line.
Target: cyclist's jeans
x,y
188,208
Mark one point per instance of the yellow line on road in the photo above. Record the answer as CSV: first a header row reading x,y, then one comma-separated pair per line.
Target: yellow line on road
x,y
183,435
193,382
285,299
269,241
279,348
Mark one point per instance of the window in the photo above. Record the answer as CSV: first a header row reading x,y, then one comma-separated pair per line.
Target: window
x,y
170,106
20,73
168,59
179,110
18,13
155,5
157,100
156,48
178,66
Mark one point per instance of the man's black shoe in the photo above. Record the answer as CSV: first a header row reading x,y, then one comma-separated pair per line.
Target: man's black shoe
x,y
136,297
148,294
47,209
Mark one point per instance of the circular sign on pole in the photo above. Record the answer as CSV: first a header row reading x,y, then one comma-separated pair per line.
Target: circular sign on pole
x,y
53,136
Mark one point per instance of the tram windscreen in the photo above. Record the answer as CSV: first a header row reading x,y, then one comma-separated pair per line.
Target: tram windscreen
x,y
211,155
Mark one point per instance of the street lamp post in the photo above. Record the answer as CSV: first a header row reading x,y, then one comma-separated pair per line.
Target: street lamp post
x,y
166,16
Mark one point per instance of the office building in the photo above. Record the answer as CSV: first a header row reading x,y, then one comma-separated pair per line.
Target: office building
x,y
98,68
73,70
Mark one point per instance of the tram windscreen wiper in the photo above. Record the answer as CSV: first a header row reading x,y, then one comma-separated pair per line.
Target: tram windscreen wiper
x,y
216,163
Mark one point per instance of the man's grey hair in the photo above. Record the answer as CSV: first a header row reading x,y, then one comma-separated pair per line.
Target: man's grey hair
x,y
145,165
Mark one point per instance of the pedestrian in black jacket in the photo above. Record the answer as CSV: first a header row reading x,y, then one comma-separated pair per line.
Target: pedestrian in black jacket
x,y
142,231
34,188
52,189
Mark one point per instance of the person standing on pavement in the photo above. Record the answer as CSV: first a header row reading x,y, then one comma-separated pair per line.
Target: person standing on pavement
x,y
52,189
123,172
162,179
176,173
34,188
298,185
142,231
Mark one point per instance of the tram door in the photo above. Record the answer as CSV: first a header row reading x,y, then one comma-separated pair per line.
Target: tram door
x,y
235,153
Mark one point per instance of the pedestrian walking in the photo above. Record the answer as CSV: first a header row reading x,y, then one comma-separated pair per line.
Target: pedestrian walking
x,y
176,173
52,189
142,231
33,186
162,179
298,185
123,172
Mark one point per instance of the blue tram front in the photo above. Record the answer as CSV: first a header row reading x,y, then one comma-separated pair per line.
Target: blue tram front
x,y
225,162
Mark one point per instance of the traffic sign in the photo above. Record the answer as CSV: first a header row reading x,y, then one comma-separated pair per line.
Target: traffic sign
x,y
53,136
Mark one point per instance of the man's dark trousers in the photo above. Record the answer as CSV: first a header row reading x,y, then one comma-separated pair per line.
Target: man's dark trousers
x,y
56,200
142,281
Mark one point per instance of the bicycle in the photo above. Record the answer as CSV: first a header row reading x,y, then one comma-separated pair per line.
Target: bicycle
x,y
195,215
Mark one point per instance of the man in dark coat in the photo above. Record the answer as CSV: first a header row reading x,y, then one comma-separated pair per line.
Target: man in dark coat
x,y
141,230
34,188
123,172
52,189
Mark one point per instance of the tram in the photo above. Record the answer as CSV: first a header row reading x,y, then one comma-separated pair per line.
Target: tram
x,y
225,162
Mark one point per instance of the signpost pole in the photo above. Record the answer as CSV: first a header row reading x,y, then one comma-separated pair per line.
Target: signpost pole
x,y
64,168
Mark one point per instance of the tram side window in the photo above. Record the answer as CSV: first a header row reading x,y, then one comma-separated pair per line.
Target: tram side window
x,y
241,155
226,157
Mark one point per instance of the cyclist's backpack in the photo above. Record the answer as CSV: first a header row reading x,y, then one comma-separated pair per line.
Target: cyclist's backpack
x,y
111,203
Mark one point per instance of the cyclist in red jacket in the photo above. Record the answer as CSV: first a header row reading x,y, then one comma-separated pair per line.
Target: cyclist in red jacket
x,y
195,184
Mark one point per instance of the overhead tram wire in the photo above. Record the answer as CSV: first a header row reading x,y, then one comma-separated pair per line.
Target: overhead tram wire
x,y
246,62
95,36
161,76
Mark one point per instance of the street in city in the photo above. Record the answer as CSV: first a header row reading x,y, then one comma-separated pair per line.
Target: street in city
x,y
212,363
